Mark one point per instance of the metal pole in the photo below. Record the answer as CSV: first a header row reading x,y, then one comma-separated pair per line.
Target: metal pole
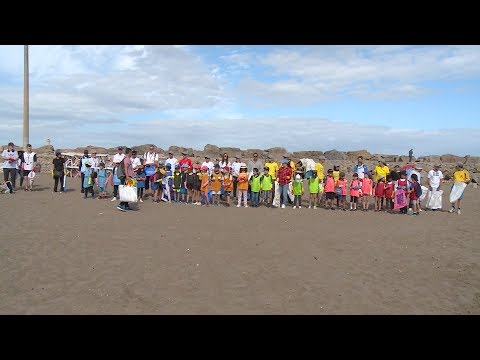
x,y
25,98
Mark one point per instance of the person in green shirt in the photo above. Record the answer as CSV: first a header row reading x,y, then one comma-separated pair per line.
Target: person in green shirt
x,y
255,186
313,189
266,185
297,191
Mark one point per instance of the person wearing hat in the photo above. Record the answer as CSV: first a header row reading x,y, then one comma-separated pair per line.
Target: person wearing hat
x,y
10,157
185,161
82,167
417,170
319,167
209,164
171,160
360,168
29,160
58,171
381,170
235,171
459,175
284,177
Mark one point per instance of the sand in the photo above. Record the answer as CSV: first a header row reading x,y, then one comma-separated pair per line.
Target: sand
x,y
61,254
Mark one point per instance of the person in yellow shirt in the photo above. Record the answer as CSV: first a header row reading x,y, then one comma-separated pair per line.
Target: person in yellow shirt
x,y
459,175
381,170
319,167
272,171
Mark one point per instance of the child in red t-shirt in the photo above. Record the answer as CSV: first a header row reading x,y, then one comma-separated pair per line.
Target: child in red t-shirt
x,y
379,192
389,191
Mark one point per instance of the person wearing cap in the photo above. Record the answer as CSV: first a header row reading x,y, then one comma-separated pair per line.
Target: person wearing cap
x,y
381,170
58,171
459,175
82,167
209,164
319,167
360,168
284,177
10,157
185,161
88,179
290,161
171,160
235,170
29,160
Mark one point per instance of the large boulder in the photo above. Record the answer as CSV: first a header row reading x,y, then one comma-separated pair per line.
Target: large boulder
x,y
248,154
314,155
276,153
449,158
47,149
231,152
177,151
335,155
211,149
353,155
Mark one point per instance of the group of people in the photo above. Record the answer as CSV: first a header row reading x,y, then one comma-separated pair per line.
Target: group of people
x,y
21,163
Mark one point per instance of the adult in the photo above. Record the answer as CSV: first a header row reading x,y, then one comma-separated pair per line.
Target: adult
x,y
124,173
290,161
284,176
360,168
29,163
185,160
172,161
319,167
381,170
434,179
209,164
395,173
224,162
150,158
118,157
308,167
82,167
459,175
417,170
58,170
10,155
136,162
95,161
254,163
235,170
410,155
20,166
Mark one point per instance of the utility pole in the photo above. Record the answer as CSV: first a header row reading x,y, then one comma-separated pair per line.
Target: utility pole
x,y
25,98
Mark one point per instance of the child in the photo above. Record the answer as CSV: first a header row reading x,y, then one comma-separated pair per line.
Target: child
x,y
329,189
402,184
141,177
255,186
242,185
89,179
205,186
336,176
379,193
216,184
355,186
415,191
227,183
266,185
313,189
366,190
115,182
189,184
102,181
183,186
297,191
167,184
197,182
177,183
155,183
342,190
389,191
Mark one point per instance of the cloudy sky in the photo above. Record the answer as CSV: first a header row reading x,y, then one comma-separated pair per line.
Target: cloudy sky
x,y
386,99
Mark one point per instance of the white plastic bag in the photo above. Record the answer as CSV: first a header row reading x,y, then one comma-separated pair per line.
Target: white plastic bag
x,y
457,191
434,199
424,193
276,198
290,192
127,193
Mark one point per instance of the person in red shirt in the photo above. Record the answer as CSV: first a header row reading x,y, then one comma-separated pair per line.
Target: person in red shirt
x,y
284,175
389,190
379,192
185,160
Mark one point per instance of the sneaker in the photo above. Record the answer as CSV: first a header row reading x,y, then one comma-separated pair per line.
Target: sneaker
x,y
299,207
114,199
314,208
141,200
309,207
283,206
459,212
238,205
246,206
294,207
451,210
121,208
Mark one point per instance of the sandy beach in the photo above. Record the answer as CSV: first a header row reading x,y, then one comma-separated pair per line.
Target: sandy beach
x,y
61,254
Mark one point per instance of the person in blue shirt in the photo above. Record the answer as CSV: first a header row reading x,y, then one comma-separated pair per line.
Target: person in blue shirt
x,y
115,181
88,179
360,169
141,177
102,181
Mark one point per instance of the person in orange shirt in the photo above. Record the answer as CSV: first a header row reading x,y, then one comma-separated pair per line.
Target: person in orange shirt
x,y
216,184
242,185
205,185
227,183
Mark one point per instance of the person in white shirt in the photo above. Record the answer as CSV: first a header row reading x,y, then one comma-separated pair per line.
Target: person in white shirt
x,y
417,171
29,163
224,162
172,161
309,167
209,164
236,169
150,158
136,162
10,155
117,158
435,178
95,161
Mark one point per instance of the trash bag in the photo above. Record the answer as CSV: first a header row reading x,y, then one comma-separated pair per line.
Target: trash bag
x,y
457,190
434,199
127,193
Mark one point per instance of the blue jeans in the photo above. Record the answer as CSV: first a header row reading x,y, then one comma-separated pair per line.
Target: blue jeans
x,y
283,193
255,198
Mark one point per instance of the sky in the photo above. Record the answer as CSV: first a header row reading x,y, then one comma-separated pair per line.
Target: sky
x,y
386,99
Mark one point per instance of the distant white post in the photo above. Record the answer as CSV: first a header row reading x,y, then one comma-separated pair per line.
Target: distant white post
x,y
25,98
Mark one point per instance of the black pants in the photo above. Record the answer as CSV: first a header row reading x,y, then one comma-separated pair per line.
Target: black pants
x,y
58,179
297,201
20,174
83,178
234,195
115,190
147,182
87,190
12,173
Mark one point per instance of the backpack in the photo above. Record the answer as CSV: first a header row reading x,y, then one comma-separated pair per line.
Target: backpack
x,y
121,169
418,189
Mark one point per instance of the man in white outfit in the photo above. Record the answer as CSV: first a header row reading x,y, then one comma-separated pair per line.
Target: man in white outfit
x,y
29,163
434,178
209,164
172,161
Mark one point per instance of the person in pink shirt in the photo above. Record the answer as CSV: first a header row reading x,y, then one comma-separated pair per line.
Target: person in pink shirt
x,y
366,190
342,191
355,188
329,189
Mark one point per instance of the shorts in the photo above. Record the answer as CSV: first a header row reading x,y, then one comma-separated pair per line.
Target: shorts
x,y
308,174
415,202
216,192
183,190
342,197
26,172
354,199
330,195
154,185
